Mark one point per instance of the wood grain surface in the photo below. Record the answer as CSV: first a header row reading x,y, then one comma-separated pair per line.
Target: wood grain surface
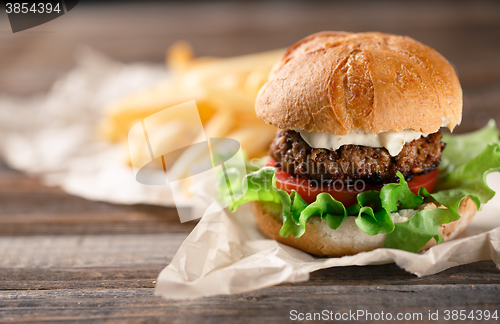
x,y
63,258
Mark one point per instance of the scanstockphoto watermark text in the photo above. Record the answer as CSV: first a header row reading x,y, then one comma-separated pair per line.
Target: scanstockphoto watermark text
x,y
365,315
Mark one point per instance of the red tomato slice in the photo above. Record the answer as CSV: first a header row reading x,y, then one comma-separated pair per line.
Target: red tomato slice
x,y
309,189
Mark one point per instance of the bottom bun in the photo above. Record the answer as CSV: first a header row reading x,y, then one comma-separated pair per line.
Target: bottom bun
x,y
348,239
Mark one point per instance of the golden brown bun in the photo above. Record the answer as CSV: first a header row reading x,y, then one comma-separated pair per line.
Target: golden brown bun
x,y
335,82
348,239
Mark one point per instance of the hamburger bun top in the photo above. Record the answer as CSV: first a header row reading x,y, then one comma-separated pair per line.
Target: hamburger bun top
x,y
335,82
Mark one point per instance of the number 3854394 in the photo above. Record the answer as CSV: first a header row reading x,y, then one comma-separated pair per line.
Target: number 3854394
x,y
38,8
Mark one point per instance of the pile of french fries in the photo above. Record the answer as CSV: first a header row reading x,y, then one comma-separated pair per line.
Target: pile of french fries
x,y
224,90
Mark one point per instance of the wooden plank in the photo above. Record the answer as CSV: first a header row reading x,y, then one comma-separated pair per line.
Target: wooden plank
x,y
273,303
483,272
133,222
131,276
29,208
88,250
143,275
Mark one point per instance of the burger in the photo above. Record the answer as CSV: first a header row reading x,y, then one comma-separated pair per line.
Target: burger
x,y
359,161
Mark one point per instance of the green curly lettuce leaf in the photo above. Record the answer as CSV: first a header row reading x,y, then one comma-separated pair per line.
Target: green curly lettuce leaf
x,y
327,208
414,234
292,205
460,149
260,188
397,196
373,218
464,175
466,161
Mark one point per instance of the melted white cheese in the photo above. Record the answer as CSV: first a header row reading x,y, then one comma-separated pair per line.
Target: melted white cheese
x,y
392,141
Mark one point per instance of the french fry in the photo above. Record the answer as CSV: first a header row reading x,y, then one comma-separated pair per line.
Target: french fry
x,y
255,80
254,138
231,100
123,114
174,129
179,56
219,125
234,72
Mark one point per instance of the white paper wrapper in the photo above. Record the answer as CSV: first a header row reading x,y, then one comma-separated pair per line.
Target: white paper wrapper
x,y
54,136
227,254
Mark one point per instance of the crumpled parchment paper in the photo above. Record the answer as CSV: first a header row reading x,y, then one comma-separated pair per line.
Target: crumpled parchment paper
x,y
227,254
53,136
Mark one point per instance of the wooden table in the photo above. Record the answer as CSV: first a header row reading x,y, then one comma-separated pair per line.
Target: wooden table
x,y
63,258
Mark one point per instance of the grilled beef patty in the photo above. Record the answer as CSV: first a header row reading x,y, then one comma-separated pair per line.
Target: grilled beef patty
x,y
355,162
